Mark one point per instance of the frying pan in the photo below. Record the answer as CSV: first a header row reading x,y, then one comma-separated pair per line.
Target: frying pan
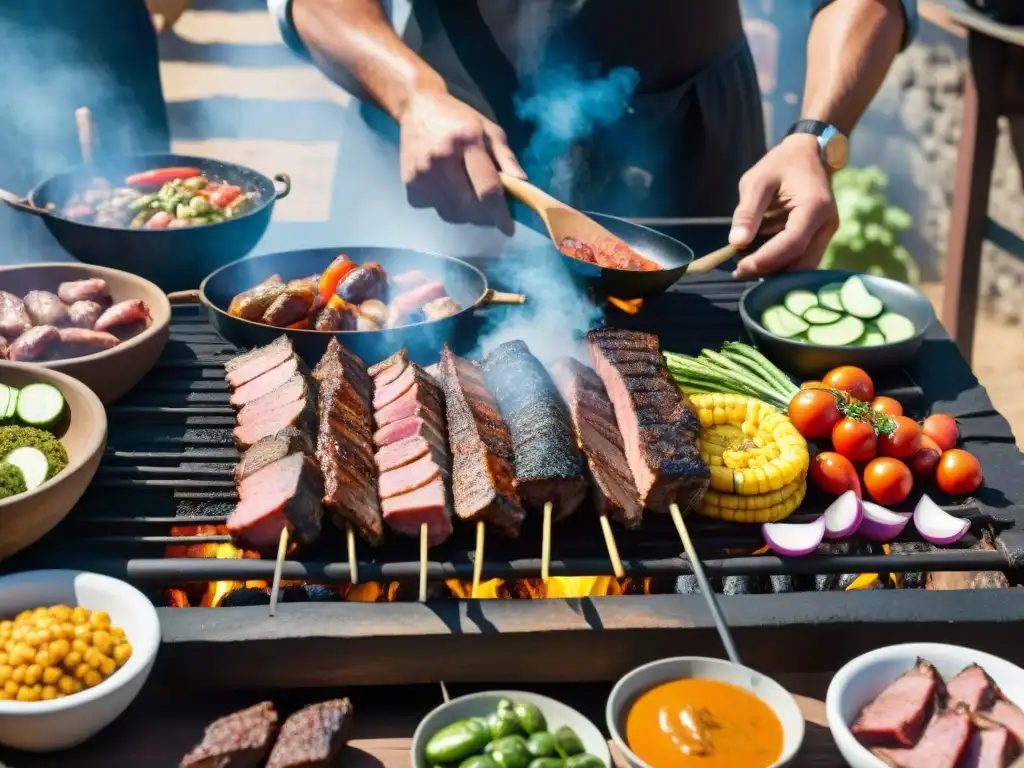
x,y
466,284
174,259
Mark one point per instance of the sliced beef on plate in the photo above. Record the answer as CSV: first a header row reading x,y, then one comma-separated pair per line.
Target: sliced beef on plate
x,y
409,450
313,736
483,473
428,504
267,382
942,744
283,494
898,714
973,688
385,394
412,426
597,434
296,388
659,432
273,448
989,747
247,366
239,740
300,414
1007,714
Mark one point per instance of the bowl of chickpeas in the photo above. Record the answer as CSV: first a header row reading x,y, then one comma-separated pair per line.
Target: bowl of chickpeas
x,y
75,650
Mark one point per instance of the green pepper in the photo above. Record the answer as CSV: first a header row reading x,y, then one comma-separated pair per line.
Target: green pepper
x,y
141,202
542,744
531,719
503,723
456,742
568,742
548,762
200,205
585,761
511,752
479,761
504,704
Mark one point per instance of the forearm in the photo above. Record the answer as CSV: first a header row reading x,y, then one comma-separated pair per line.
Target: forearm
x,y
353,43
850,48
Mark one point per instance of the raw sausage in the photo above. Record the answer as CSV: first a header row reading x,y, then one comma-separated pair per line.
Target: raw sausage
x,y
34,344
84,314
124,318
45,308
14,319
75,342
92,289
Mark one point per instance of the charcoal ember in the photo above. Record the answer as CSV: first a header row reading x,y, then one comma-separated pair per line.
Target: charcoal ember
x,y
293,594
781,584
239,740
320,593
911,579
313,736
245,596
687,585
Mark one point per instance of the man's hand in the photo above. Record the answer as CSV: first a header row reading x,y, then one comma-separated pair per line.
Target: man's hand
x,y
791,182
450,158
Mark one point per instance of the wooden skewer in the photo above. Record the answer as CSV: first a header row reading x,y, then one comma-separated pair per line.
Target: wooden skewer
x,y
545,546
444,692
478,559
423,562
613,549
275,588
353,564
86,134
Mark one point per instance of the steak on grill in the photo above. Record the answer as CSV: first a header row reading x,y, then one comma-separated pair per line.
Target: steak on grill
x,y
941,745
409,450
283,494
385,394
296,388
313,736
419,400
267,382
300,414
483,473
899,713
658,431
249,365
413,426
239,740
343,445
427,504
273,448
400,358
598,436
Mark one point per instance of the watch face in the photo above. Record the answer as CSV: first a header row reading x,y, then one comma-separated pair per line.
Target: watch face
x,y
836,151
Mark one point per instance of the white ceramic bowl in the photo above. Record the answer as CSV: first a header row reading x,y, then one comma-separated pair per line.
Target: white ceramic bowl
x,y
482,704
47,726
863,678
642,679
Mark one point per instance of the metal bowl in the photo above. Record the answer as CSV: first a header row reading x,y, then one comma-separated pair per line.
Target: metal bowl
x,y
809,360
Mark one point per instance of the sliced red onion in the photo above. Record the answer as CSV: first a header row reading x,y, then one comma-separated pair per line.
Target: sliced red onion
x,y
936,525
880,524
794,539
843,516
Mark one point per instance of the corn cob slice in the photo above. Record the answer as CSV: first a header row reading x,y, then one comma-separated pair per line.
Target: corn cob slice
x,y
776,511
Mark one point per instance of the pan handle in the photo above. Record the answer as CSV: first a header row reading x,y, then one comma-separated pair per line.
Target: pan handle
x,y
500,297
180,298
282,185
21,203
707,263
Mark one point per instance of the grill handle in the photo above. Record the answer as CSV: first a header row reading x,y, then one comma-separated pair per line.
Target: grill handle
x,y
181,298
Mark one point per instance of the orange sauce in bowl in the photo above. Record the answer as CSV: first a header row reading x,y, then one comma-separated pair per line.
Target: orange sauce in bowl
x,y
698,723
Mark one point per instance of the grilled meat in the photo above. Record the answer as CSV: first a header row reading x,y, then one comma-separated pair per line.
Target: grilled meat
x,y
45,308
597,435
401,357
345,433
84,314
267,382
75,342
409,450
291,305
3,348
272,448
990,747
14,319
405,304
125,318
548,463
946,580
251,304
375,311
363,284
941,745
91,289
296,388
300,414
428,504
973,688
385,394
1006,714
898,714
483,473
239,740
659,432
247,366
285,493
438,309
422,399
313,736
34,344
409,427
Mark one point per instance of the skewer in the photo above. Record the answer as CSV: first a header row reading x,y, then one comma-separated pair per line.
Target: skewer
x,y
444,692
613,549
545,546
423,562
275,588
478,559
353,564
84,126
705,585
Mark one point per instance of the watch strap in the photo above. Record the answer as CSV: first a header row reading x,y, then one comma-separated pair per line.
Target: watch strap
x,y
813,127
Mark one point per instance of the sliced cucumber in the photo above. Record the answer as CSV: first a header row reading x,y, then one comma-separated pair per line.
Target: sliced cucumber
x,y
32,463
40,405
839,334
822,316
781,322
858,302
7,394
895,327
12,403
828,296
799,302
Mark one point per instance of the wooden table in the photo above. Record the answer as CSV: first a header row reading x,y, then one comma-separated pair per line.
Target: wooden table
x,y
159,728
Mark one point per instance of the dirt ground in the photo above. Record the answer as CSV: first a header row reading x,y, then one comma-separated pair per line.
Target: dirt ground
x,y
220,75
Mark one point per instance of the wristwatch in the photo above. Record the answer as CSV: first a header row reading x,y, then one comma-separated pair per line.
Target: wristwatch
x,y
834,146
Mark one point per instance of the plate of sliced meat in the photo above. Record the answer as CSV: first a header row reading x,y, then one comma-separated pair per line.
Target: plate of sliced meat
x,y
928,704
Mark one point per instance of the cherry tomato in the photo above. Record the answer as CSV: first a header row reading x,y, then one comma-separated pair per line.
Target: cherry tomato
x,y
834,474
942,429
223,196
888,481
904,441
959,472
887,405
849,378
814,412
926,459
855,440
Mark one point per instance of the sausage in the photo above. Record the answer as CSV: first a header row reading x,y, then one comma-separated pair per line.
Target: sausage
x,y
75,342
84,314
3,348
328,320
290,307
14,319
364,283
45,308
125,318
243,304
91,289
34,344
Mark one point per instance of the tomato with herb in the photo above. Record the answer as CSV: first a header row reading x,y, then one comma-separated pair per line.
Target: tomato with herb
x,y
902,441
942,429
851,379
834,474
854,439
887,405
888,480
958,473
814,412
926,459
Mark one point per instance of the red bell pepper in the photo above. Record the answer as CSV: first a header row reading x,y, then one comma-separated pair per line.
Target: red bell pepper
x,y
157,177
333,275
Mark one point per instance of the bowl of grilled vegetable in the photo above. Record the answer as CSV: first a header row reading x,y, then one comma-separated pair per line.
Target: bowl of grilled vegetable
x,y
508,728
811,322
52,433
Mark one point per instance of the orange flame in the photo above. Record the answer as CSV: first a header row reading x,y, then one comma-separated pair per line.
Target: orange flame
x,y
629,306
215,591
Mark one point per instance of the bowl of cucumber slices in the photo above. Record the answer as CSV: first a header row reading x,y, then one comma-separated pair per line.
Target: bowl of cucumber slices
x,y
53,430
810,322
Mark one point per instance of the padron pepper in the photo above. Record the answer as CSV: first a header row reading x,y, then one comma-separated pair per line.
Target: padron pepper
x,y
548,762
585,761
542,744
479,761
568,742
511,752
503,723
457,741
531,719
